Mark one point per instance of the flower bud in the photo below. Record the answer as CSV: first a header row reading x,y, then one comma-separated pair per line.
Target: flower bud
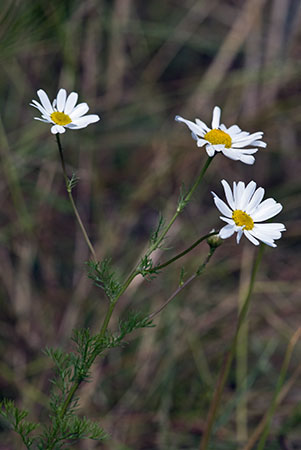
x,y
215,240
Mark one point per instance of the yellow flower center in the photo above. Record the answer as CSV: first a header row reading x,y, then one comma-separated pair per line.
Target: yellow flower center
x,y
218,137
242,219
60,118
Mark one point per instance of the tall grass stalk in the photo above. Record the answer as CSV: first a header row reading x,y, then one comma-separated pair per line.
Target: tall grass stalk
x,y
229,357
242,351
283,392
283,371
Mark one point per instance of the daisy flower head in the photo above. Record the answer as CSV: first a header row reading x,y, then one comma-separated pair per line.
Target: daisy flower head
x,y
63,113
232,142
246,212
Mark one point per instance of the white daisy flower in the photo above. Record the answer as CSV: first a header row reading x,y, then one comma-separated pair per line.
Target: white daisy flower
x,y
232,141
63,113
246,212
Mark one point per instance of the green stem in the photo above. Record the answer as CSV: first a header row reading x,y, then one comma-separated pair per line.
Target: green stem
x,y
107,319
135,272
155,245
199,271
70,397
229,358
69,190
180,208
101,334
195,244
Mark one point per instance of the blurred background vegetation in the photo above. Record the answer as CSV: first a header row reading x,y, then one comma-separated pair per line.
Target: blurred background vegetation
x,y
138,64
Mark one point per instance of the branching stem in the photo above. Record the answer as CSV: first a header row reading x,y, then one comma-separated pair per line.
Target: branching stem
x,y
186,283
135,271
179,255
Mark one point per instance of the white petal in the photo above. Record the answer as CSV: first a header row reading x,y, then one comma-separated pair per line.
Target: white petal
x,y
191,125
248,192
37,105
218,147
266,213
202,125
216,117
47,117
234,192
256,199
240,135
248,138
242,143
270,244
221,206
84,121
79,111
266,203
271,226
263,238
247,159
231,153
238,194
251,238
42,120
264,233
233,130
248,151
239,235
201,142
210,150
228,193
61,100
227,220
45,101
260,144
70,102
226,231
57,129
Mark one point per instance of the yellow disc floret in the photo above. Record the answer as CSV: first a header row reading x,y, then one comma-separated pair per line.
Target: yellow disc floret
x,y
60,118
218,137
242,219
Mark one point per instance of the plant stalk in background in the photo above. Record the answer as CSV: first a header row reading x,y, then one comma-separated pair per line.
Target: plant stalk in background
x,y
229,358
